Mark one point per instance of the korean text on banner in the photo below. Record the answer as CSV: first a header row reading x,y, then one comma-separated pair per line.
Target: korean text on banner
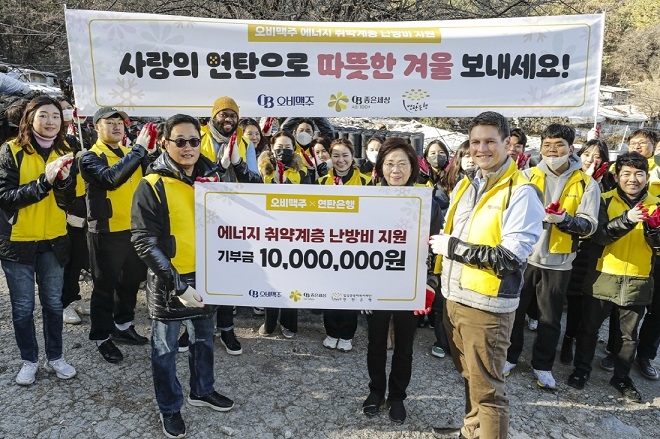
x,y
304,246
157,65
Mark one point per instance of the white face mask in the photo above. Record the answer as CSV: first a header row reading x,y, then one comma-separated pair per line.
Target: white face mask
x,y
555,163
303,138
372,156
67,114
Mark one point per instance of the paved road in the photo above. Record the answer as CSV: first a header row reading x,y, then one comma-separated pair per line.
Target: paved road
x,y
294,389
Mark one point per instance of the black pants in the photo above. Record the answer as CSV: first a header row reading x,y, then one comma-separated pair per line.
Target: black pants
x,y
439,328
594,313
340,323
649,334
549,287
405,325
79,259
288,318
117,272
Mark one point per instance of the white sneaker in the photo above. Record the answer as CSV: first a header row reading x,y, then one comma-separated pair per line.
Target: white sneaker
x,y
508,367
330,342
262,331
60,367
286,333
27,373
82,307
70,316
258,311
544,379
344,345
533,324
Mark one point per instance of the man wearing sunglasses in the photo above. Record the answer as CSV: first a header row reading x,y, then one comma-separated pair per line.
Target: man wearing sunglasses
x,y
112,172
163,231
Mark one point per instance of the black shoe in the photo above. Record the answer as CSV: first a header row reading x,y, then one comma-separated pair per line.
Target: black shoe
x,y
231,343
627,388
173,425
447,432
607,363
646,368
397,412
129,336
213,400
183,342
578,378
371,406
566,355
110,352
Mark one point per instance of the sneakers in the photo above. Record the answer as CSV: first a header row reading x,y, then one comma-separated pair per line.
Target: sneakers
x,y
213,401
508,367
129,336
173,425
371,406
544,379
70,316
626,387
287,333
397,412
607,363
60,367
330,342
578,378
533,324
344,345
646,368
437,351
258,311
82,307
262,331
231,343
566,355
27,373
183,342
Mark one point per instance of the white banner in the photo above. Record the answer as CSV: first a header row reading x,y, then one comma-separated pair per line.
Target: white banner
x,y
307,246
158,65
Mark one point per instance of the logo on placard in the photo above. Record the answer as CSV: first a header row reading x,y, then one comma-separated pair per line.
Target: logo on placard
x,y
267,101
257,293
414,100
338,101
295,295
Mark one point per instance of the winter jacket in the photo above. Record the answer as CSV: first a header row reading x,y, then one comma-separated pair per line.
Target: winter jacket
x,y
32,211
354,177
623,252
295,174
163,233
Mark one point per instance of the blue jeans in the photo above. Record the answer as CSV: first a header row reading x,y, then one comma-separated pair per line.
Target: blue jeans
x,y
164,348
20,280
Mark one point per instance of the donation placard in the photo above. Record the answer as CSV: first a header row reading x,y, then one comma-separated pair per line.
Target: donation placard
x,y
159,65
307,246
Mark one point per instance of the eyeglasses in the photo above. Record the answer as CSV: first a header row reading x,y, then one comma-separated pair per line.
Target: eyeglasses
x,y
181,143
400,166
638,144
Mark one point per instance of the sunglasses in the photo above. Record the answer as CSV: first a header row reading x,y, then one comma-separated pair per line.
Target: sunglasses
x,y
181,143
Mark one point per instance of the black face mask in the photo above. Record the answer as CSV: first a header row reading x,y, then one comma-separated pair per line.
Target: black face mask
x,y
285,156
437,161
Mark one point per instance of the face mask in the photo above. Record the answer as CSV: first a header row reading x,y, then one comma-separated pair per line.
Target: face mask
x,y
67,114
285,156
303,138
437,161
555,163
372,156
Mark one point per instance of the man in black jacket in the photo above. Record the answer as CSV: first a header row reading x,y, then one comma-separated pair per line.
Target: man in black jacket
x,y
163,231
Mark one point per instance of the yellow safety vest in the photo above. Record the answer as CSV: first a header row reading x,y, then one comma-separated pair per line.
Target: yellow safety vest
x,y
208,149
357,179
561,242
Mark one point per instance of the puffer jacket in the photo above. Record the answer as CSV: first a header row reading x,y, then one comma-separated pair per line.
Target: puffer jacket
x,y
156,240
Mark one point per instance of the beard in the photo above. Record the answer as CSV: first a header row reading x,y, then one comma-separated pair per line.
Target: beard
x,y
221,128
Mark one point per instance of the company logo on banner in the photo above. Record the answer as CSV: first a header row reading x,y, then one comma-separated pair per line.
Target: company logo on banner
x,y
309,246
159,65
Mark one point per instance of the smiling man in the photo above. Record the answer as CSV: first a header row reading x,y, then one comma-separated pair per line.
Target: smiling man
x,y
491,226
572,199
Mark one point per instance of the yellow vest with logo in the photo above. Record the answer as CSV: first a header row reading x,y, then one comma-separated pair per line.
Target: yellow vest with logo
x,y
485,226
42,220
357,179
561,242
629,255
208,149
180,199
293,176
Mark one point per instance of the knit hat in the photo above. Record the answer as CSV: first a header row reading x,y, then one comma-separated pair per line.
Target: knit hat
x,y
224,103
